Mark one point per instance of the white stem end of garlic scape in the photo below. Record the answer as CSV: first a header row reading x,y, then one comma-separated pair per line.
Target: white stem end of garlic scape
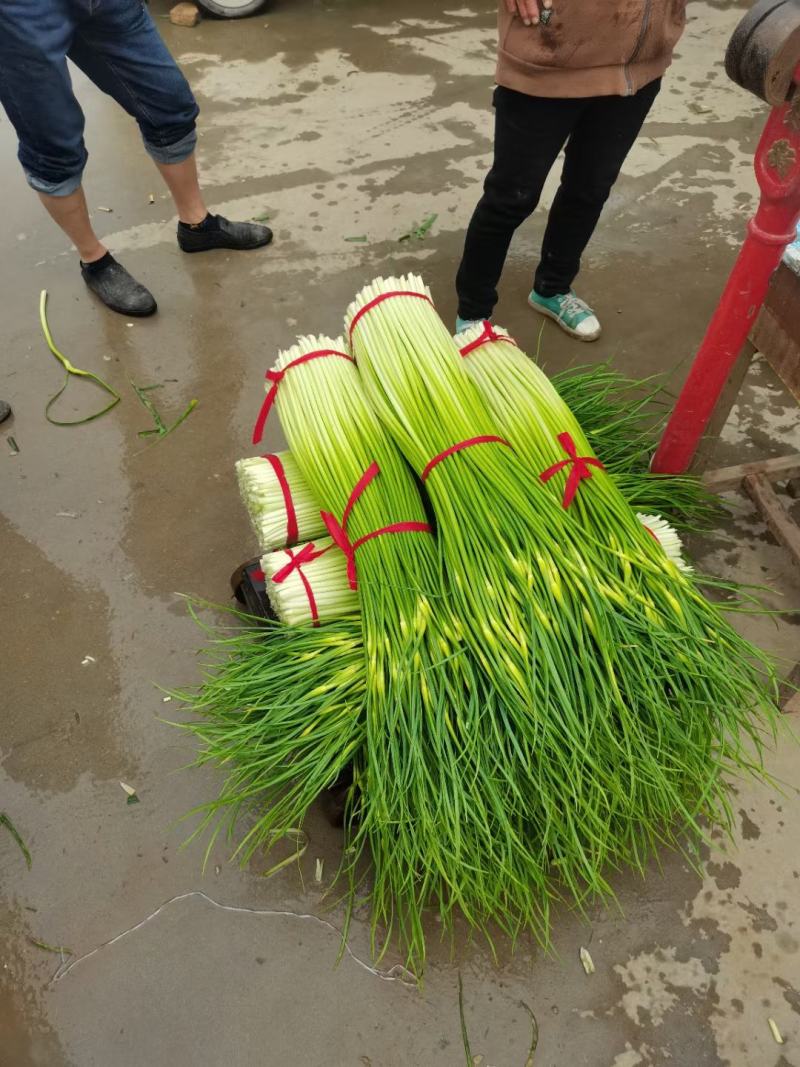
x,y
264,495
667,536
313,586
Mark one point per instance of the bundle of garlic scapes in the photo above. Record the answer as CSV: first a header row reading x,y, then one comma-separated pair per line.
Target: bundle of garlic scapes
x,y
530,689
641,693
282,510
309,584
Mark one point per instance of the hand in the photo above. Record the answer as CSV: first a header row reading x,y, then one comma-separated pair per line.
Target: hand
x,y
528,10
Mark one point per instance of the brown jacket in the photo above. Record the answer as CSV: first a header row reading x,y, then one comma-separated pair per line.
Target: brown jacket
x,y
590,47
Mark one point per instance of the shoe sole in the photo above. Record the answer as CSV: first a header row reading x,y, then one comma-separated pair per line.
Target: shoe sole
x,y
560,322
230,248
125,311
122,310
130,314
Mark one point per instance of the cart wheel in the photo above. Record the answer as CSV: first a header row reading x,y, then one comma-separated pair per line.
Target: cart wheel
x,y
232,9
238,579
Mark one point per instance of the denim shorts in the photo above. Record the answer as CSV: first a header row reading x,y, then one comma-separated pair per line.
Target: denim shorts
x,y
116,44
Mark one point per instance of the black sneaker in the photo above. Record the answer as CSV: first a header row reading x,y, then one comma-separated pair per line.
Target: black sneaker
x,y
218,232
118,289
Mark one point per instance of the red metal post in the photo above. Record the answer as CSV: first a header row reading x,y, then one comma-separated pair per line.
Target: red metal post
x,y
774,226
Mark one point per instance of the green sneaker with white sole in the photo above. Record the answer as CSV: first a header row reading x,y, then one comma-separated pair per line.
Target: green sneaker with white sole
x,y
466,324
572,314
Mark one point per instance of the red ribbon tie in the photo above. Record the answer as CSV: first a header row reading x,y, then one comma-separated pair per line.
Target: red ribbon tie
x,y
581,468
451,451
489,334
283,482
379,300
342,541
338,530
307,554
277,376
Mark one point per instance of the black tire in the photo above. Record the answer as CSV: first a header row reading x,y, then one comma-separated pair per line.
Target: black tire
x,y
233,10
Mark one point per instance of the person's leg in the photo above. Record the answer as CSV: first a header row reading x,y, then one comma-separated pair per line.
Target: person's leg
x,y
72,215
594,156
121,51
36,92
181,180
529,133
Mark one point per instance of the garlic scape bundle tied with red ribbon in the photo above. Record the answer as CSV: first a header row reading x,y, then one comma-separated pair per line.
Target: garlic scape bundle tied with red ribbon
x,y
680,664
639,694
438,826
309,583
533,618
281,508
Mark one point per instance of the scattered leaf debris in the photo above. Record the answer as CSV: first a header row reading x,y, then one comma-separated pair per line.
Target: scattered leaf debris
x,y
418,233
71,371
534,1034
587,961
464,1031
60,950
12,444
776,1032
130,792
6,821
160,429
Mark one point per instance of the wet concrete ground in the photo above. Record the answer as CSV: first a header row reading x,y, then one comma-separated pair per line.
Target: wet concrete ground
x,y
337,120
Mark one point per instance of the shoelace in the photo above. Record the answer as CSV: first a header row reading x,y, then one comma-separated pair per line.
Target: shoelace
x,y
573,305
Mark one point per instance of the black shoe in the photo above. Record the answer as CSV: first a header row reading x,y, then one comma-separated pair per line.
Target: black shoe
x,y
217,232
5,411
118,289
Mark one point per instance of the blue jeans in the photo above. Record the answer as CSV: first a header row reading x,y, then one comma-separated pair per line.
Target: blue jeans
x,y
116,44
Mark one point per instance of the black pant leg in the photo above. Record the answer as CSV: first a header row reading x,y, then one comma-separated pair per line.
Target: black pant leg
x,y
595,152
530,131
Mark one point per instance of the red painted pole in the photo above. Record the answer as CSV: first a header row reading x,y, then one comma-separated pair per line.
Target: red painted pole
x,y
777,166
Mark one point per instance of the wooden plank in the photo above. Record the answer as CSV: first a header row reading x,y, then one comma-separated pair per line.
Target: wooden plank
x,y
773,469
780,349
774,514
777,330
783,300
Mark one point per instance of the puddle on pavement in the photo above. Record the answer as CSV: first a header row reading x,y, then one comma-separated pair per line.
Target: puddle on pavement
x,y
26,1037
59,713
